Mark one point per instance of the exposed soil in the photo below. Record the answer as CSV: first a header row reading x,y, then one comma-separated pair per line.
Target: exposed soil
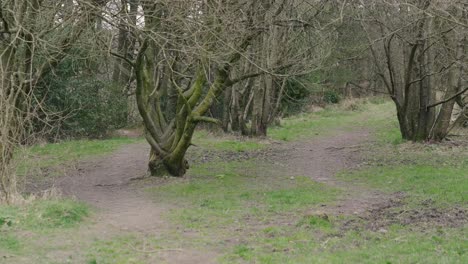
x,y
392,212
321,158
106,183
380,218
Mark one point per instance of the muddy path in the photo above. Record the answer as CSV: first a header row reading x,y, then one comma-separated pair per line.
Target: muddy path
x,y
107,183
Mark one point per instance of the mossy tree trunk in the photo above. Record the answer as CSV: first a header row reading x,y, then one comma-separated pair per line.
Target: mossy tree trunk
x,y
191,51
178,82
170,139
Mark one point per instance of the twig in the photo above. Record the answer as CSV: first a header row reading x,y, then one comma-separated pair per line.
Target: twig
x,y
339,148
325,242
448,99
154,251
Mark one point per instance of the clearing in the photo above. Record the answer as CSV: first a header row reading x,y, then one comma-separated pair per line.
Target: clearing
x,y
328,187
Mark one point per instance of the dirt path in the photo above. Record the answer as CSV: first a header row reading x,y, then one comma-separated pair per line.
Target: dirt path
x,y
321,158
106,183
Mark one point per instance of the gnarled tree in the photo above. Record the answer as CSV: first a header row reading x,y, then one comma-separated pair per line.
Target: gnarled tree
x,y
189,52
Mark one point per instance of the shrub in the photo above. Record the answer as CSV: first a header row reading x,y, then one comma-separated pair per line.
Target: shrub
x,y
331,97
82,103
296,97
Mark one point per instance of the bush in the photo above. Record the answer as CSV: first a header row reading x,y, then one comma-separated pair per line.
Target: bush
x,y
296,97
81,102
331,97
95,109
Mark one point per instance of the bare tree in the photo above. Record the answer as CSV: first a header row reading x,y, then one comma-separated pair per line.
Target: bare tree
x,y
185,47
420,58
189,52
35,36
295,42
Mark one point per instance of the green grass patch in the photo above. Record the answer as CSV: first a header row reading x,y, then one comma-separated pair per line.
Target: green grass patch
x,y
374,113
226,142
9,242
20,226
120,250
390,135
398,245
53,214
44,214
301,193
224,193
315,221
385,125
442,184
243,252
309,125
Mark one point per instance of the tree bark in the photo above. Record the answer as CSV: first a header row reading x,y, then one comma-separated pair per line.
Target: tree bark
x,y
443,122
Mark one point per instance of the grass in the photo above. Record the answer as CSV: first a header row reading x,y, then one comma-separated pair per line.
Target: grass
x,y
222,200
350,115
310,245
22,226
9,242
204,139
311,124
43,214
253,211
118,250
442,184
422,172
233,199
226,193
316,221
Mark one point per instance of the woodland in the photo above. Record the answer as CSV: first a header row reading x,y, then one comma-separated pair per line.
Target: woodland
x,y
233,131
